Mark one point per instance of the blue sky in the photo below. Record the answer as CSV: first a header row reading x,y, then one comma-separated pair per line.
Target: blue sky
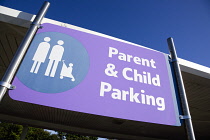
x,y
145,22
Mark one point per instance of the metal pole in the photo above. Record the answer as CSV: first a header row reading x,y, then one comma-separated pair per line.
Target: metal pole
x,y
24,132
183,97
19,55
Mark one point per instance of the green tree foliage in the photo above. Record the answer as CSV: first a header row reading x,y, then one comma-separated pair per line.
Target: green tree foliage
x,y
69,136
10,131
40,134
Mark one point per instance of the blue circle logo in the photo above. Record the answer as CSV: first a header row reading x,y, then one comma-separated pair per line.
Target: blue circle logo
x,y
54,63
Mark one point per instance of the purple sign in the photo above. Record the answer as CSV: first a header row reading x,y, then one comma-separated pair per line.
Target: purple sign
x,y
79,71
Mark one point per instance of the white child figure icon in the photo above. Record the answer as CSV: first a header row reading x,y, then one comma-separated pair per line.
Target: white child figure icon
x,y
67,71
40,55
55,57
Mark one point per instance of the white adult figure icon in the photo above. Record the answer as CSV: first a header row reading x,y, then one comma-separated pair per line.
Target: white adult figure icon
x,y
40,55
55,56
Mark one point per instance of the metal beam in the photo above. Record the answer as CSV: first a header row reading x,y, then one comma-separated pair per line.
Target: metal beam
x,y
19,55
185,108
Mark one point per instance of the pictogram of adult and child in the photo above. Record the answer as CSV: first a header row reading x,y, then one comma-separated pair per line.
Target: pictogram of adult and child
x,y
54,58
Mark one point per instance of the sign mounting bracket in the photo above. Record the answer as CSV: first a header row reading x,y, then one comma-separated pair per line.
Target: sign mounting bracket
x,y
7,85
